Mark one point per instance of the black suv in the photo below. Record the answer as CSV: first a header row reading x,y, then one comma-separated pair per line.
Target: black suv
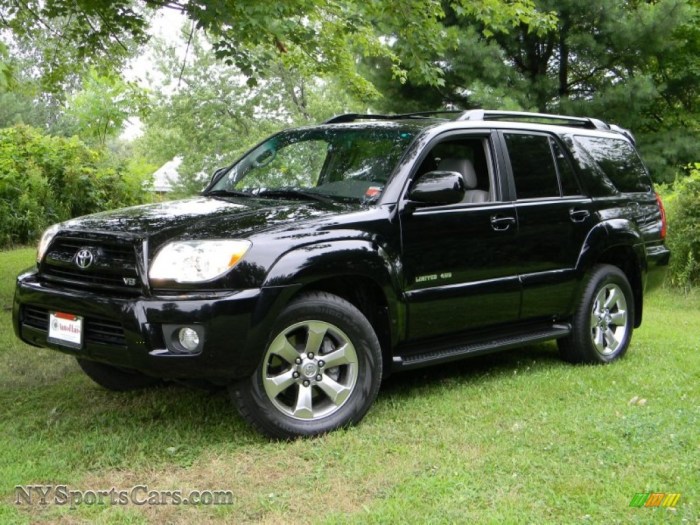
x,y
329,256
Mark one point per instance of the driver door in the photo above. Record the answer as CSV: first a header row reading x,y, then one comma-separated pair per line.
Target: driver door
x,y
460,261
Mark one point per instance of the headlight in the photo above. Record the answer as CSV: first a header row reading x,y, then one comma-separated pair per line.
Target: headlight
x,y
196,261
45,240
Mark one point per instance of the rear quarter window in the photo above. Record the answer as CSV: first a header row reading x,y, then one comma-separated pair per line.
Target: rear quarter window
x,y
619,161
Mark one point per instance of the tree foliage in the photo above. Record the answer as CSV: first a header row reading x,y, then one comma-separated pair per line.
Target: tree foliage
x,y
314,35
60,40
100,109
206,113
631,62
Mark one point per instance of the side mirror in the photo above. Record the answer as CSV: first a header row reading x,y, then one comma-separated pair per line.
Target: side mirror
x,y
438,187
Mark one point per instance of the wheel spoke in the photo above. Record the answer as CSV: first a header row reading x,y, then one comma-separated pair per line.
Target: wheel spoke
x,y
599,301
612,343
303,408
619,318
334,390
315,334
613,298
279,383
283,348
599,339
338,357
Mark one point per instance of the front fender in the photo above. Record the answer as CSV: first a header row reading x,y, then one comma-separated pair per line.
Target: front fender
x,y
305,265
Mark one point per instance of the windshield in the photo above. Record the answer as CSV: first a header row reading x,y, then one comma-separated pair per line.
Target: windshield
x,y
334,164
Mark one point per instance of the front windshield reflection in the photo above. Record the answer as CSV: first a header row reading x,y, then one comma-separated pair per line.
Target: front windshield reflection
x,y
352,164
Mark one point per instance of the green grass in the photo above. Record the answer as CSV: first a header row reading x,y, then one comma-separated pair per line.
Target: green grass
x,y
518,437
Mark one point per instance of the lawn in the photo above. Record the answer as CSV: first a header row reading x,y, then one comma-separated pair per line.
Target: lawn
x,y
517,437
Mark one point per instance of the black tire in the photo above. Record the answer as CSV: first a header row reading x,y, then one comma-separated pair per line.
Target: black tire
x,y
116,379
293,393
603,321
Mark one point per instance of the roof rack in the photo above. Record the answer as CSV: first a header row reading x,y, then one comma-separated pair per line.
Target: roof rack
x,y
351,117
565,120
481,114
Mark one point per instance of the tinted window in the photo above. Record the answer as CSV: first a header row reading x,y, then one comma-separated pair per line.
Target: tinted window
x,y
567,177
619,161
471,149
533,166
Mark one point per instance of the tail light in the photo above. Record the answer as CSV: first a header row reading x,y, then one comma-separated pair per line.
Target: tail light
x,y
663,216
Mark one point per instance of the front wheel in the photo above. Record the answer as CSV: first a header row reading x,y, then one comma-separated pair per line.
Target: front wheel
x,y
321,370
603,321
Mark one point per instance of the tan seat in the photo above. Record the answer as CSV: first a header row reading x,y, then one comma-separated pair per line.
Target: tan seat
x,y
466,169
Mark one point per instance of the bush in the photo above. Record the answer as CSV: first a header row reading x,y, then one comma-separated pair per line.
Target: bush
x,y
683,211
45,179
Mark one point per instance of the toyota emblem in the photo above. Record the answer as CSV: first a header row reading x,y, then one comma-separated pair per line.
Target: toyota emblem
x,y
84,258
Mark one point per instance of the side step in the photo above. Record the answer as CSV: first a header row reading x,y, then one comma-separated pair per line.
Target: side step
x,y
454,353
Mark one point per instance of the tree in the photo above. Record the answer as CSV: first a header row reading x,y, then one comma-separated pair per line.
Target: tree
x,y
630,62
100,109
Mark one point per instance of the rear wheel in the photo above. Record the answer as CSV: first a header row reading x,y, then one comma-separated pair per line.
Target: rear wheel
x,y
116,379
321,370
603,322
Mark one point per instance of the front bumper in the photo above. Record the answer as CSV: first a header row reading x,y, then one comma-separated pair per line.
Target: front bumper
x,y
128,332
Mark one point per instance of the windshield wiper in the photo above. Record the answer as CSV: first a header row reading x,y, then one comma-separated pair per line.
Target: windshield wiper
x,y
293,192
227,193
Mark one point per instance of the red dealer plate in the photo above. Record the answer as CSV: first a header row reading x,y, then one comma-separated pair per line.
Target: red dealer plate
x,y
65,329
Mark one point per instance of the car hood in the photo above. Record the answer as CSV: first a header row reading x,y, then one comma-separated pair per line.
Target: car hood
x,y
203,218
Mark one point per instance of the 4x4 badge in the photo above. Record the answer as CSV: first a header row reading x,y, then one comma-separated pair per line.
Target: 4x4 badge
x,y
84,258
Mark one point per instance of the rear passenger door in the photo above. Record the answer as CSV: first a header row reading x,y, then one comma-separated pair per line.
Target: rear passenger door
x,y
554,218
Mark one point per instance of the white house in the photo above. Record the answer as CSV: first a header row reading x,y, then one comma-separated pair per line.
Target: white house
x,y
167,176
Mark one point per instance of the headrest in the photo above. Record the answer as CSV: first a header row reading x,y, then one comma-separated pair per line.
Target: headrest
x,y
463,166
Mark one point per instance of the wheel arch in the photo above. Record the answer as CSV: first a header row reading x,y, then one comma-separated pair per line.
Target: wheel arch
x,y
618,243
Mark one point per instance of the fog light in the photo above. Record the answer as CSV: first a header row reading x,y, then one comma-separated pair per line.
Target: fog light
x,y
189,339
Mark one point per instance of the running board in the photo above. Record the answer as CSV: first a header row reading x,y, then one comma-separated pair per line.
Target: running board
x,y
494,345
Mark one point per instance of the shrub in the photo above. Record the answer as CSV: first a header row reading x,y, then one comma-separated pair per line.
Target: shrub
x,y
45,179
683,210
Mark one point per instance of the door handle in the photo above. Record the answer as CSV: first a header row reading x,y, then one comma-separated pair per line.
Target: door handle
x,y
501,223
578,215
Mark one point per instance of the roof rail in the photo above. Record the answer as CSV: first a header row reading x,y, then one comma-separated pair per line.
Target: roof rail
x,y
627,133
351,117
565,120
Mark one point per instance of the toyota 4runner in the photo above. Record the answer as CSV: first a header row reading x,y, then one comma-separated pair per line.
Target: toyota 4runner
x,y
329,256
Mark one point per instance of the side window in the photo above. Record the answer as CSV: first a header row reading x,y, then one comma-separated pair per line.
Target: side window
x,y
567,177
533,166
468,156
619,161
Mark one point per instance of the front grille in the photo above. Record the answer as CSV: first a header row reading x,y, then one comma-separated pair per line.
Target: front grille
x,y
95,330
112,265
